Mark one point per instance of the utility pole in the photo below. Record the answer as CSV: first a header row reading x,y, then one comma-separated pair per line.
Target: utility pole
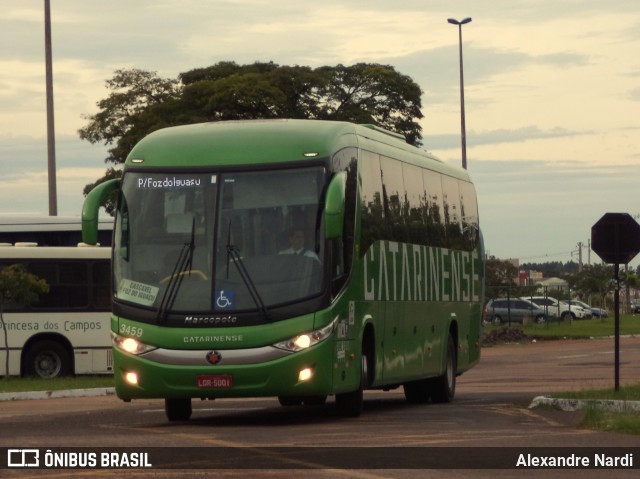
x,y
580,244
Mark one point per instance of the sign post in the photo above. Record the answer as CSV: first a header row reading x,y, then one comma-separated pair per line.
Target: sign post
x,y
616,239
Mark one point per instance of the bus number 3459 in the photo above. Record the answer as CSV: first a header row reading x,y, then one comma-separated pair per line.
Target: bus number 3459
x,y
131,331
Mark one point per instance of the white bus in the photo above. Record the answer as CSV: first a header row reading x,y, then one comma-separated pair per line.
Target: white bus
x,y
67,331
50,230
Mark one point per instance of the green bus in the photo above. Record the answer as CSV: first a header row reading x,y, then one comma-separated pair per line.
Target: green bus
x,y
296,259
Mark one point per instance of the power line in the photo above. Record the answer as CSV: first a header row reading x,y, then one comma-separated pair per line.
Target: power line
x,y
548,255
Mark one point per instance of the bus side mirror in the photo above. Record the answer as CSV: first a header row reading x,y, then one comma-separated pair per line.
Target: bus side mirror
x,y
334,206
91,207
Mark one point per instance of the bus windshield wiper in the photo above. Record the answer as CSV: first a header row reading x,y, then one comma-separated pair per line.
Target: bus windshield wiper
x,y
234,257
183,266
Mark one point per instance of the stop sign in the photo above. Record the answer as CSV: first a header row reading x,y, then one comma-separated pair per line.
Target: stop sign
x,y
616,238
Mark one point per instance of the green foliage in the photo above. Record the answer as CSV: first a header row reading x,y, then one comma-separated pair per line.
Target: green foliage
x,y
592,280
140,102
19,286
624,422
132,92
501,278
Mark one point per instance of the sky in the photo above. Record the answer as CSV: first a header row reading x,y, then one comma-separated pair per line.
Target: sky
x,y
552,93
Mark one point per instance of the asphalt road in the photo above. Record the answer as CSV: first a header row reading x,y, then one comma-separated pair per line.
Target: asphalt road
x,y
490,410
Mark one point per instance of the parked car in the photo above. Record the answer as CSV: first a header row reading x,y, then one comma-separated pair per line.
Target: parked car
x,y
596,312
503,310
560,309
635,305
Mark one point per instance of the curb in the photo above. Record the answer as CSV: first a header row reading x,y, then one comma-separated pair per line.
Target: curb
x,y
92,392
578,404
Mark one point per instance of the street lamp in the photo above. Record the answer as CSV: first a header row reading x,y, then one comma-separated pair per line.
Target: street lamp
x,y
51,137
462,126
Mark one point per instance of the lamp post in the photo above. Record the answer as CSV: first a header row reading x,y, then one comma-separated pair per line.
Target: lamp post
x,y
462,125
51,137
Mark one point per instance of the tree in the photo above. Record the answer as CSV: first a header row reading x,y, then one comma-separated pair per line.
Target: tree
x,y
20,286
593,279
500,276
140,102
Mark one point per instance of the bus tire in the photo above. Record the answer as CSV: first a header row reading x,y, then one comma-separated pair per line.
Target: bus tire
x,y
47,359
177,409
443,388
351,404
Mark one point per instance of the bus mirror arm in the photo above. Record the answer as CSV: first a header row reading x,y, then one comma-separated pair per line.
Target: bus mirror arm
x,y
334,206
91,208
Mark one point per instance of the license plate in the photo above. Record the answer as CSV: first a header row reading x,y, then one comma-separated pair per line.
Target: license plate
x,y
218,381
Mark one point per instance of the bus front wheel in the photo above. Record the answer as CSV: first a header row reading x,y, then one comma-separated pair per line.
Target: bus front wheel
x,y
177,409
47,359
350,404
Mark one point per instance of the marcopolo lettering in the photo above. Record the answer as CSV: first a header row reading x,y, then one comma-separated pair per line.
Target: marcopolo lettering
x,y
209,320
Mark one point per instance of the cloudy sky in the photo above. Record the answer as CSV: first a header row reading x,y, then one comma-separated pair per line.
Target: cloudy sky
x,y
552,93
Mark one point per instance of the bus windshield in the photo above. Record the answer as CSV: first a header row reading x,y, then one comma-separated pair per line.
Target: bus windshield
x,y
199,243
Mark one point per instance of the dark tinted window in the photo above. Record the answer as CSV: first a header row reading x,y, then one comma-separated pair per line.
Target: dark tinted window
x,y
395,204
73,285
347,160
373,226
405,203
67,285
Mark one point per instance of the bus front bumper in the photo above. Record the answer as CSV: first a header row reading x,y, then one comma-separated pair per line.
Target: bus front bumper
x,y
225,373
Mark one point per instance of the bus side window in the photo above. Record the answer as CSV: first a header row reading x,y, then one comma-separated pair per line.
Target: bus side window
x,y
372,208
469,215
347,160
452,219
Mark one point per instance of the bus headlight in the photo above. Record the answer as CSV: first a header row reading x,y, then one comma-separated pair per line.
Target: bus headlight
x,y
130,345
306,340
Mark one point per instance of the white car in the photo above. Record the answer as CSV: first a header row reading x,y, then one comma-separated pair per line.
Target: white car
x,y
560,309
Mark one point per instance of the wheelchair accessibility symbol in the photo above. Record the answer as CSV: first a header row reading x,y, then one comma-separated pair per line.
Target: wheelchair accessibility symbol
x,y
224,300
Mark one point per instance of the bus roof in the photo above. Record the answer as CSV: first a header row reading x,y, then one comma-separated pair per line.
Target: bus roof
x,y
232,143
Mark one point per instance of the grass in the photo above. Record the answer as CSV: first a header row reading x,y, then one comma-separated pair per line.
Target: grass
x,y
625,422
587,328
596,417
17,384
577,329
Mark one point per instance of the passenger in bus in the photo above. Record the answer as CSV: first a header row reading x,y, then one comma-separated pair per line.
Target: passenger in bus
x,y
297,245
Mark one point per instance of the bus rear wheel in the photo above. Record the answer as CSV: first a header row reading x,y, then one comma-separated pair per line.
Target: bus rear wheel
x,y
177,409
47,359
443,388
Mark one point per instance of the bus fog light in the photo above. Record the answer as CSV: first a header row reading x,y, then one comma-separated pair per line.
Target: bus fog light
x,y
305,374
131,377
